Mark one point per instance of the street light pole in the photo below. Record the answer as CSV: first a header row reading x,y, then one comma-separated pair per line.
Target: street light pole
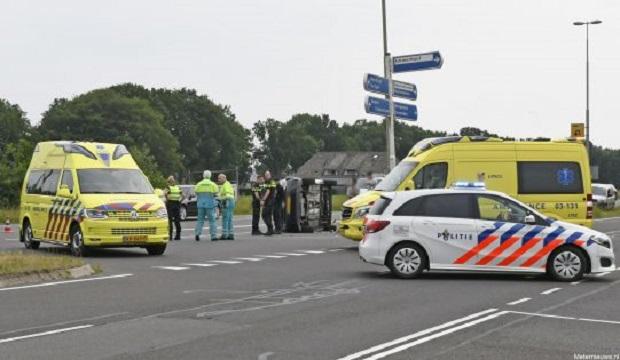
x,y
389,121
587,24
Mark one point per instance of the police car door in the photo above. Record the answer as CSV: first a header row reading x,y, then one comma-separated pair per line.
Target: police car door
x,y
446,225
505,239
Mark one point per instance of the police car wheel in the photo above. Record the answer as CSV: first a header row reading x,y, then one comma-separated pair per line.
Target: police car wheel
x,y
156,250
566,264
406,260
76,244
183,213
29,243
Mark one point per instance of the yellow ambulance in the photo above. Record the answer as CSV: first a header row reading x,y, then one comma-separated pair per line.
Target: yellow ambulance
x,y
552,176
85,195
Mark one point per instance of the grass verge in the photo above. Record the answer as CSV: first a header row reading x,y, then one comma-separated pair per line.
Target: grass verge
x,y
602,213
23,263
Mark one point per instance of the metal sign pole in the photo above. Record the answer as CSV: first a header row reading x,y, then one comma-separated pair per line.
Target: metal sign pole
x,y
389,123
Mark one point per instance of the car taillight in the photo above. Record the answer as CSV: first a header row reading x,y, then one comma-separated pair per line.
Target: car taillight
x,y
589,209
373,226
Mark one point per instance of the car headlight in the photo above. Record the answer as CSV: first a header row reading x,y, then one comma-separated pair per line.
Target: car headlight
x,y
95,214
601,241
361,212
162,213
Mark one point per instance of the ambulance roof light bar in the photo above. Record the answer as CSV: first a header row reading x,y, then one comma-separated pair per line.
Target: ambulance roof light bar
x,y
468,185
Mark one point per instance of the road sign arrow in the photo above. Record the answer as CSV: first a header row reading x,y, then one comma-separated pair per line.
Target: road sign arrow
x,y
417,62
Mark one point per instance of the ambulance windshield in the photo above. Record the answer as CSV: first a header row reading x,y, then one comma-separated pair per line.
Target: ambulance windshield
x,y
396,176
113,181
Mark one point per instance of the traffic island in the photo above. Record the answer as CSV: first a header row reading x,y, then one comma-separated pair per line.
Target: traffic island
x,y
21,267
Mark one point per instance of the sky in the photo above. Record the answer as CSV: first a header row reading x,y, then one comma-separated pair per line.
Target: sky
x,y
516,68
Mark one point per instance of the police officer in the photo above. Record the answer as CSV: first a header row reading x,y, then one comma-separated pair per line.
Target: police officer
x,y
227,202
206,192
174,196
267,200
278,207
257,188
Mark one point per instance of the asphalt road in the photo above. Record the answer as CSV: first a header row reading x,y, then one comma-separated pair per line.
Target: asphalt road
x,y
302,296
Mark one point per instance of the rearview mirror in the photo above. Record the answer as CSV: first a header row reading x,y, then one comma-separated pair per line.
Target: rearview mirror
x,y
64,192
530,219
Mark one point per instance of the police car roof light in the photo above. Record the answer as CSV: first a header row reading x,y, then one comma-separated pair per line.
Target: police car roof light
x,y
468,185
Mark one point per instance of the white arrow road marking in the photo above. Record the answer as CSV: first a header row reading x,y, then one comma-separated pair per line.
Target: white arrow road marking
x,y
174,268
50,332
520,301
550,291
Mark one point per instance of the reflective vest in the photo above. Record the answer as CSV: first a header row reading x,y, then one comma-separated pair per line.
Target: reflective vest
x,y
271,186
206,190
174,193
227,191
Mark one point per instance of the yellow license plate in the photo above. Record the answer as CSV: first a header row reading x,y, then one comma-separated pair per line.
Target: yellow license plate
x,y
135,238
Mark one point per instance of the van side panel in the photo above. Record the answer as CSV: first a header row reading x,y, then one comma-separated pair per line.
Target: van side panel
x,y
493,164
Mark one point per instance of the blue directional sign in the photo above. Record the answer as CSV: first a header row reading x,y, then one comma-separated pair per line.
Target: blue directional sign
x,y
380,85
417,62
378,106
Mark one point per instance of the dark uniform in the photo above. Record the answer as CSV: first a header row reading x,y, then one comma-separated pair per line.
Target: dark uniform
x,y
173,207
278,208
270,186
256,196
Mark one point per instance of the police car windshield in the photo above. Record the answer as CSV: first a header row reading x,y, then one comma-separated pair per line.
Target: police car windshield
x,y
113,181
396,176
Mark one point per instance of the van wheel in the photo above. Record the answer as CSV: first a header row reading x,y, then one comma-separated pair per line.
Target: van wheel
x,y
29,243
406,260
566,264
156,250
77,242
183,213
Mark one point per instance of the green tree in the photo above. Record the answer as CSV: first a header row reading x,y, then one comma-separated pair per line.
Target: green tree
x,y
14,162
13,123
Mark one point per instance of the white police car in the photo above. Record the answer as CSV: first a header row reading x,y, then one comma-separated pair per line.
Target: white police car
x,y
469,228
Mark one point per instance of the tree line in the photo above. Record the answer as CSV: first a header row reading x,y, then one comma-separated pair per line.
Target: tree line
x,y
178,131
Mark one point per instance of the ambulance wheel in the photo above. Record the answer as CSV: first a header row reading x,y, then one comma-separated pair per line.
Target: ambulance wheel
x,y
76,245
29,243
156,250
406,260
566,264
183,213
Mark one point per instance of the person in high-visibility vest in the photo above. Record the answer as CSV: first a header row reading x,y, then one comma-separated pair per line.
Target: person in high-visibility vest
x,y
206,193
227,201
267,200
174,196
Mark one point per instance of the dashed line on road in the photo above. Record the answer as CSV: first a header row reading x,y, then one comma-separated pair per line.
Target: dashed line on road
x,y
313,251
174,268
200,264
228,262
550,291
55,283
272,256
50,332
291,254
520,301
249,259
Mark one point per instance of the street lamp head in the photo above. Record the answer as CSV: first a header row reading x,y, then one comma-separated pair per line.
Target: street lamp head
x,y
578,23
595,22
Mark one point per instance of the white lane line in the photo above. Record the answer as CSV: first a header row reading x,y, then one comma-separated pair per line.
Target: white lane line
x,y
334,250
173,268
312,251
550,291
606,219
272,256
65,282
10,239
249,259
426,339
520,301
551,316
418,334
199,264
577,282
50,332
291,254
229,262
602,274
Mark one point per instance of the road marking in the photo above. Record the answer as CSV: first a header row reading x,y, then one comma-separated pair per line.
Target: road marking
x,y
54,283
199,264
520,301
334,250
50,332
577,282
230,262
551,316
606,219
272,256
10,239
312,251
292,254
418,334
602,274
174,268
550,291
426,339
249,259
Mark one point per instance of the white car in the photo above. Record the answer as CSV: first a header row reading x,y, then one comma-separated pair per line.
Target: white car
x,y
604,195
477,230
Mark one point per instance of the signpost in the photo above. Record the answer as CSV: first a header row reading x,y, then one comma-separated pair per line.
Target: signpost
x,y
577,130
417,62
380,85
379,106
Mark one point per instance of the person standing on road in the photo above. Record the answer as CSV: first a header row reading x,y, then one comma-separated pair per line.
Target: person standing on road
x,y
227,202
267,202
174,196
257,188
206,192
278,207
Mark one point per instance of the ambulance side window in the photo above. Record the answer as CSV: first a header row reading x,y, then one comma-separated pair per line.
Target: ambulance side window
x,y
67,179
35,180
432,176
50,181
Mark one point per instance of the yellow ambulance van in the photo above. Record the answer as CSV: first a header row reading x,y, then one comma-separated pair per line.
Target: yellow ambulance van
x,y
85,195
551,176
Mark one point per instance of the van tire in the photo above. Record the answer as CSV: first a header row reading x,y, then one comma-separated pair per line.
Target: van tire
x,y
566,264
156,250
407,260
76,242
29,243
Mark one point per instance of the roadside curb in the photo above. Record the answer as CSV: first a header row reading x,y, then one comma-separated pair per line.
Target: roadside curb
x,y
73,273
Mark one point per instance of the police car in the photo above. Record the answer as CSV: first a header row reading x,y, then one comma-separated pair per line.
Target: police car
x,y
469,228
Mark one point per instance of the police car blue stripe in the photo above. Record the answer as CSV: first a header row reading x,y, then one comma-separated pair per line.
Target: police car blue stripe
x,y
485,234
513,230
553,235
531,234
574,236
